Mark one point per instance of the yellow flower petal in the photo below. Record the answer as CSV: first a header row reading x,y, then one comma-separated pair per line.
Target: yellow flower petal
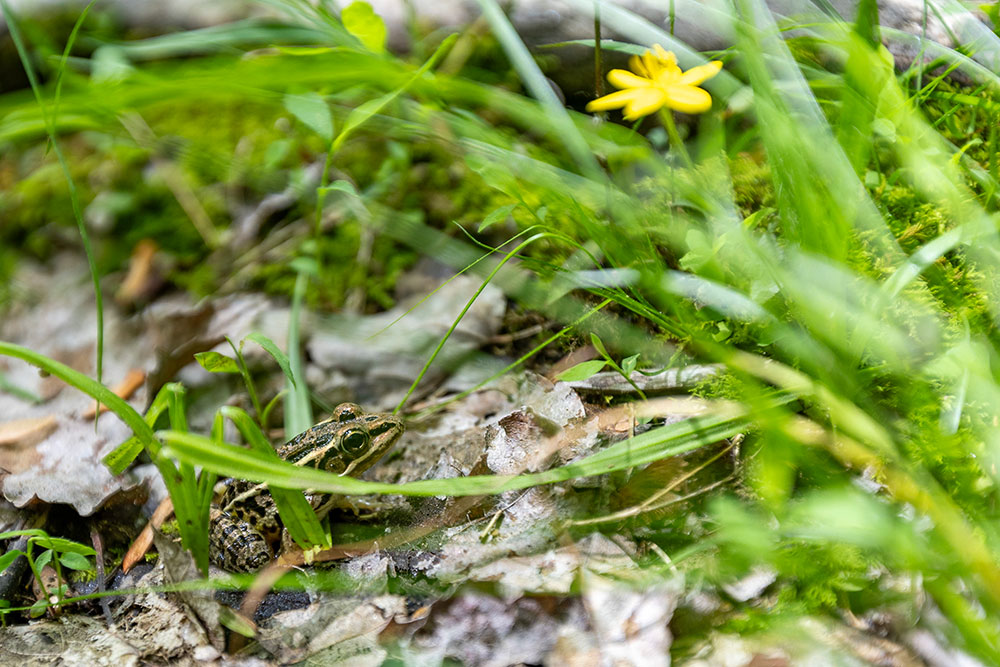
x,y
667,57
644,102
656,82
635,63
615,100
651,64
621,78
687,99
696,75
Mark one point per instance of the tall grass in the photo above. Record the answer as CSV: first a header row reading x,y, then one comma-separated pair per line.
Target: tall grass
x,y
875,328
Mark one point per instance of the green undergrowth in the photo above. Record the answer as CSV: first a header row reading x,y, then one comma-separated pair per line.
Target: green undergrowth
x,y
826,233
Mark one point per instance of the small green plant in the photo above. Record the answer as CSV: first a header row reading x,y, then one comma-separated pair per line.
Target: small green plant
x,y
196,490
587,369
216,362
190,494
56,551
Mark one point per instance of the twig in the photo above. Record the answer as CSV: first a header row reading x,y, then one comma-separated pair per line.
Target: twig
x,y
95,539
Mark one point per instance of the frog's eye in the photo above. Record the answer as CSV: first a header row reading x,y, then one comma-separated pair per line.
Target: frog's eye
x,y
354,441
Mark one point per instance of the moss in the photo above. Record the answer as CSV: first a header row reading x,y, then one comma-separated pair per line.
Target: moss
x,y
81,576
952,285
969,121
751,183
171,528
725,386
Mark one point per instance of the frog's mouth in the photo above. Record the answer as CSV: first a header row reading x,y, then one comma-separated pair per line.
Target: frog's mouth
x,y
359,465
362,463
350,467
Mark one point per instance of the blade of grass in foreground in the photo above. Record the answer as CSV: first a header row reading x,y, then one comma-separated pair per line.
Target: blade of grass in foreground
x,y
539,86
74,197
182,483
653,445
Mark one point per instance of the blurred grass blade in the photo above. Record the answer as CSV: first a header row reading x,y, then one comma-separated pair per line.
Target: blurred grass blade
x,y
50,125
361,114
12,389
651,446
275,353
298,407
539,86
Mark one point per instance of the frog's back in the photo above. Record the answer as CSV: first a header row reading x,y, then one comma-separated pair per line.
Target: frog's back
x,y
245,501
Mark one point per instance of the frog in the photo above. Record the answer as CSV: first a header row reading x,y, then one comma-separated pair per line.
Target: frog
x,y
245,526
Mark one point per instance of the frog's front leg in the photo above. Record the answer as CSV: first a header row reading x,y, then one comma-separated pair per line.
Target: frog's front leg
x,y
236,546
364,508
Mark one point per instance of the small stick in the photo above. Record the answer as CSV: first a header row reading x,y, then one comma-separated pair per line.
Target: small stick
x,y
95,539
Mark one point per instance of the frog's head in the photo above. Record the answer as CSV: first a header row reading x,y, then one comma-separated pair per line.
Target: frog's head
x,y
348,443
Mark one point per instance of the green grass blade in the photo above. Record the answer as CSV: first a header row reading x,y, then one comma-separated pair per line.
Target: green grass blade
x,y
122,456
298,407
275,353
651,446
15,33
539,86
89,386
61,70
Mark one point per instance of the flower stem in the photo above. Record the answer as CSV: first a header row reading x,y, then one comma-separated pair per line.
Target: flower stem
x,y
667,118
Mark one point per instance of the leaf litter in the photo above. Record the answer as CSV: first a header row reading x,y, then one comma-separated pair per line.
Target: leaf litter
x,y
522,422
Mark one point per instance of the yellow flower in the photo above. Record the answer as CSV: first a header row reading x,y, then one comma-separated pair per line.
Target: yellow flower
x,y
658,82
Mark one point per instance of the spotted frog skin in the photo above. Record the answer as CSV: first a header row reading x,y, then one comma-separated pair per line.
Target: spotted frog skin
x,y
245,526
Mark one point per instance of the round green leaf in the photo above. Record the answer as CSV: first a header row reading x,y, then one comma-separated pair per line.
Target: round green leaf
x,y
216,362
75,561
38,608
312,110
361,21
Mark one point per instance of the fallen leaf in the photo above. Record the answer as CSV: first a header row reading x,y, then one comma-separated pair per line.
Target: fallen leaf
x,y
26,432
80,357
141,544
142,278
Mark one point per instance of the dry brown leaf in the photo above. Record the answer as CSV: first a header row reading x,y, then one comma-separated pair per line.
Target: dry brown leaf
x,y
141,545
141,277
26,432
21,457
133,380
